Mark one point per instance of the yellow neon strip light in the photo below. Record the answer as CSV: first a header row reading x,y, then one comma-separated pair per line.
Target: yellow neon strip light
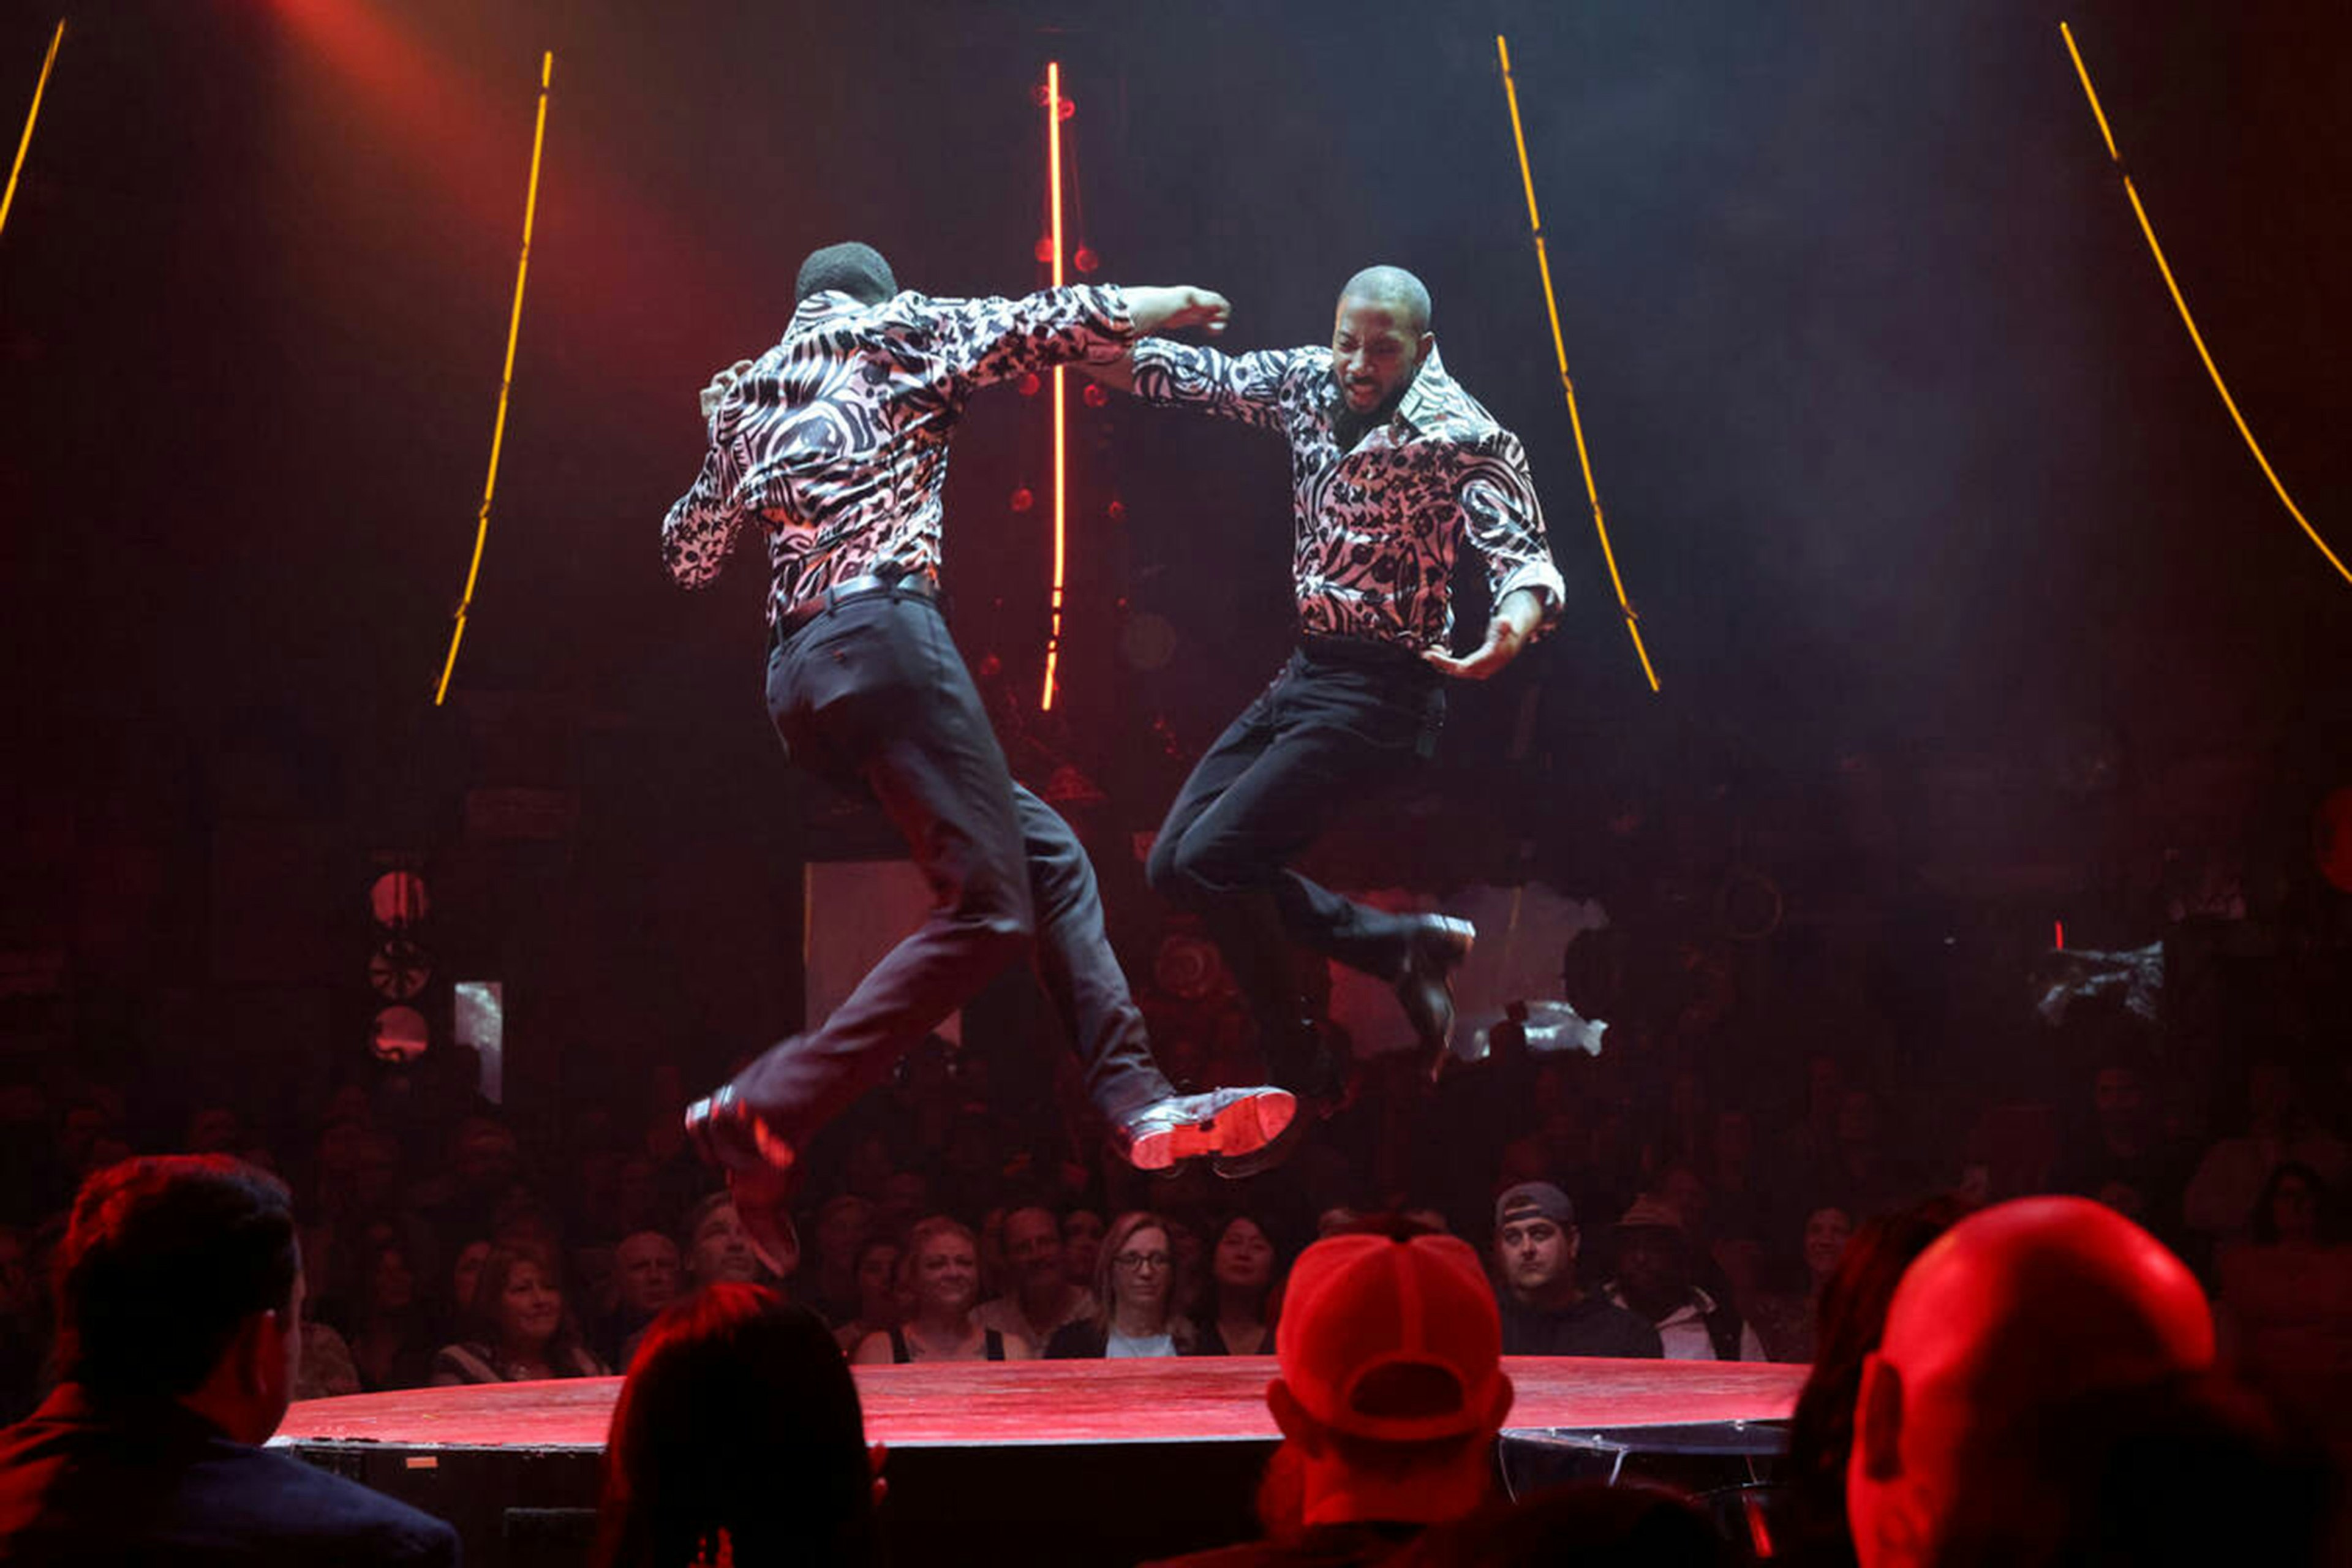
x,y
1061,496
1559,348
506,382
24,143
2186,320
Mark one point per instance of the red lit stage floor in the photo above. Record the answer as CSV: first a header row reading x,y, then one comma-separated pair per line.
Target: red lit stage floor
x,y
1080,1463
972,1404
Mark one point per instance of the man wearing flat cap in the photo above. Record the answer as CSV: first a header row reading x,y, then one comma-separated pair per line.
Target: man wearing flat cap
x,y
1544,1310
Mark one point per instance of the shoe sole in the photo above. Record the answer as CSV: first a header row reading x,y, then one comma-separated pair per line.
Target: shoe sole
x,y
1241,1128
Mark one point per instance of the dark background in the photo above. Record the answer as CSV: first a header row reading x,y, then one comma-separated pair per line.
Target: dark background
x,y
1972,610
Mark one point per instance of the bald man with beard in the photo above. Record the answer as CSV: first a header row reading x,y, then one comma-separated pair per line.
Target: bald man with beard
x,y
2014,1315
1395,468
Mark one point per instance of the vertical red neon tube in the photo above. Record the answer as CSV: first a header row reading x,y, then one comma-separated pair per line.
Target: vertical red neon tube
x,y
1061,492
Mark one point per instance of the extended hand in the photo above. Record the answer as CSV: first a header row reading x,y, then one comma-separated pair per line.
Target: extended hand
x,y
720,385
1504,641
1201,308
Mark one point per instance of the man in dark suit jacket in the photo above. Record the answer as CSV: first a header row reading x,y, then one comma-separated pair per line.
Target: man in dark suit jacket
x,y
179,1336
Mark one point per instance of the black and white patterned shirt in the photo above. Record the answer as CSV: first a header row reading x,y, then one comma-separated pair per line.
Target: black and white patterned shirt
x,y
1378,525
837,438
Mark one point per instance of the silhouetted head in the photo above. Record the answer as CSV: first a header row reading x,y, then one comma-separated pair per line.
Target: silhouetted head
x,y
2012,1313
739,1417
853,268
180,1278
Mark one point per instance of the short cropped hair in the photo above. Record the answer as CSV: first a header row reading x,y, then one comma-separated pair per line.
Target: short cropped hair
x,y
851,268
164,1258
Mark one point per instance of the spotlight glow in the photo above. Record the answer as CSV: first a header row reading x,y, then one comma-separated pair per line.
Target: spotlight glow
x,y
25,143
506,384
1559,349
2187,320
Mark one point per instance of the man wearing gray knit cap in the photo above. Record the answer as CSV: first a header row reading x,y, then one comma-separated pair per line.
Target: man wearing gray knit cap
x,y
1544,1310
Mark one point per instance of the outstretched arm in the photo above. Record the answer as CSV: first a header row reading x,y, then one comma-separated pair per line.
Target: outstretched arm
x,y
1167,309
1160,311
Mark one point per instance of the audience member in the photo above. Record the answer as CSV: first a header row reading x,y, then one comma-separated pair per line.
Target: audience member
x,y
738,1439
1239,1315
180,1293
2014,1312
878,1307
1653,1282
647,1269
1852,1317
1082,1237
842,1224
717,1246
1585,1523
2220,1202
1543,1310
1784,1321
2183,1472
465,1274
1039,1297
517,1328
1390,1397
391,1336
1135,1287
939,1277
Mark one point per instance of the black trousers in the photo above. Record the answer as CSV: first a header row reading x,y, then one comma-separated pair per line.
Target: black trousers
x,y
873,696
1343,721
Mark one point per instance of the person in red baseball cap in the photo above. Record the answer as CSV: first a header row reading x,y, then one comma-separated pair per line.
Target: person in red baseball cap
x,y
1390,1394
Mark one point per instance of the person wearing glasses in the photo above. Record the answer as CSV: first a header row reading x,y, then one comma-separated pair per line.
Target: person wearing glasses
x,y
1134,1281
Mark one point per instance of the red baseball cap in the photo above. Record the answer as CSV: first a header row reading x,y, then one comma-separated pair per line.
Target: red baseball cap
x,y
1394,1340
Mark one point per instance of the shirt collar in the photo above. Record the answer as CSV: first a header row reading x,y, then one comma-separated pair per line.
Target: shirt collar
x,y
1432,395
825,305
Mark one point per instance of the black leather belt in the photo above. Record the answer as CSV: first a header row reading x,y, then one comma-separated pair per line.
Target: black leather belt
x,y
915,586
1364,652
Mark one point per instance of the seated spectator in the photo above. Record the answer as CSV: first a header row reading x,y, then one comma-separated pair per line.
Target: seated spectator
x,y
1784,1320
842,1223
1852,1317
1082,1237
2188,1471
1653,1282
465,1274
179,1298
1543,1310
1135,1285
2014,1314
738,1439
518,1329
1390,1394
1240,1316
645,1276
879,1310
1040,1299
391,1339
2221,1203
328,1370
940,1278
2286,1296
717,1246
1585,1523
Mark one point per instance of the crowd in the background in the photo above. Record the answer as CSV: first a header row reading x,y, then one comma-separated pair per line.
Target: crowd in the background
x,y
1627,1205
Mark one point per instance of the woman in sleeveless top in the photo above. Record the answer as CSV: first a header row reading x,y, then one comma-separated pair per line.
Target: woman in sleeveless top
x,y
939,1274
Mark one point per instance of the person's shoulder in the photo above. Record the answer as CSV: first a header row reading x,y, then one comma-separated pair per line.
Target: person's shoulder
x,y
355,1523
1075,1341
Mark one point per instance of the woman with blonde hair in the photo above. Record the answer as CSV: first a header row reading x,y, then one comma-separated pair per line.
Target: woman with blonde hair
x,y
939,1277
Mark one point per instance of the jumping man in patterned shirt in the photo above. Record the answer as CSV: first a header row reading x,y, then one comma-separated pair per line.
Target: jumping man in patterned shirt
x,y
1394,468
836,441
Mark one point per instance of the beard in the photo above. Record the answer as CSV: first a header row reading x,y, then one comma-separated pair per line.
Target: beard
x,y
1348,426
